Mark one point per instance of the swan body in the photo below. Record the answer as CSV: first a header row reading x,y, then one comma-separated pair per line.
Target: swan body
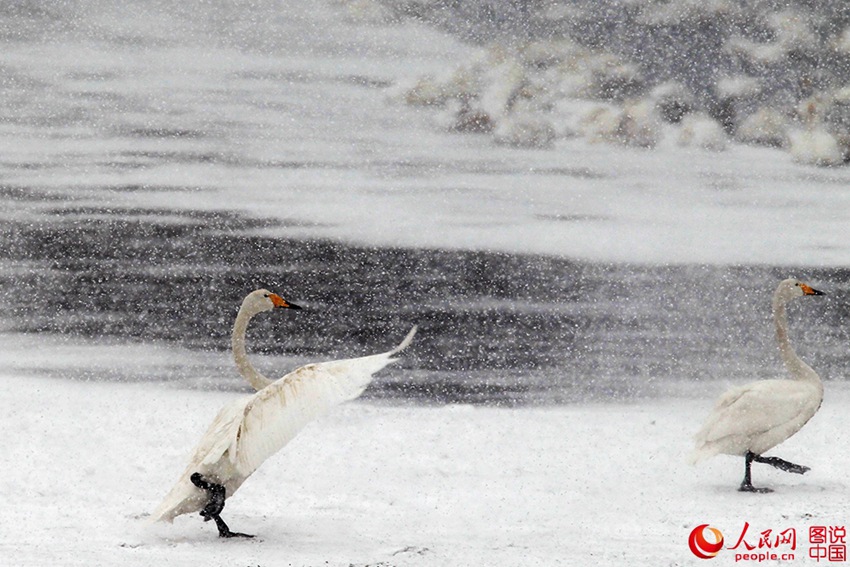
x,y
815,144
251,429
699,130
757,417
752,419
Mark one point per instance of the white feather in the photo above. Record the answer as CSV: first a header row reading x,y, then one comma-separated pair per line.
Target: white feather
x,y
758,416
248,431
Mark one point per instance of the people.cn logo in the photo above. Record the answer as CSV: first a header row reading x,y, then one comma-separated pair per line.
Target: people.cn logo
x,y
700,546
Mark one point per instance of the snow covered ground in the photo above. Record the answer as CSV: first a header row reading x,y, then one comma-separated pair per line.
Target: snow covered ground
x,y
594,484
131,109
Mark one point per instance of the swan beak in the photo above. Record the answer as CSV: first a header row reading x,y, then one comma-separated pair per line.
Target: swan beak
x,y
281,302
810,291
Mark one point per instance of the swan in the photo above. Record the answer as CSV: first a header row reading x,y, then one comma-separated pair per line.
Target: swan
x,y
750,420
815,144
251,429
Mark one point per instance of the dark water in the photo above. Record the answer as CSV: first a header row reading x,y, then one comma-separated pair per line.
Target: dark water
x,y
493,327
165,100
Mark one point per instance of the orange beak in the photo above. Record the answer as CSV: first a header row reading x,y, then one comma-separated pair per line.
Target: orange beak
x,y
281,302
810,291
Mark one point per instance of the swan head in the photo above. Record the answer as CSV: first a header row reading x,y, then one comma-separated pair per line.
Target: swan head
x,y
791,288
264,300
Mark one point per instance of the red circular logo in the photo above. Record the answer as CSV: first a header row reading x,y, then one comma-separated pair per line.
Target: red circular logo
x,y
700,546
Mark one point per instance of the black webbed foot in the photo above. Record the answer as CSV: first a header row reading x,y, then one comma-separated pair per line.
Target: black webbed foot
x,y
747,484
782,464
757,490
215,504
224,531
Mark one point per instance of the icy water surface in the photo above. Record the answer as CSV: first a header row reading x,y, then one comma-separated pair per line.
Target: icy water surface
x,y
284,110
493,327
159,161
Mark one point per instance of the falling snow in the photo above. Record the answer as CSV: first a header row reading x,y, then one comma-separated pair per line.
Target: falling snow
x,y
584,206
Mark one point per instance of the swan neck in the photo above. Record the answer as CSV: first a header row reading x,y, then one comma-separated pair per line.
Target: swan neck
x,y
240,354
799,370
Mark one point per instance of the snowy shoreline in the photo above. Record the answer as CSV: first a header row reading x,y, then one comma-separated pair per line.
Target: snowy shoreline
x,y
196,151
374,484
268,131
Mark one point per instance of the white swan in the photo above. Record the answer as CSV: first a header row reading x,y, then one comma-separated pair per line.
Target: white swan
x,y
752,419
248,431
815,144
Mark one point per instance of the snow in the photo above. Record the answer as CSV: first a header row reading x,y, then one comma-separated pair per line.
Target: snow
x,y
291,111
85,462
306,131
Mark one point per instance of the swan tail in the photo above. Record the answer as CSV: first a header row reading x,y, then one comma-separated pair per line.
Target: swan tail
x,y
184,498
704,450
696,456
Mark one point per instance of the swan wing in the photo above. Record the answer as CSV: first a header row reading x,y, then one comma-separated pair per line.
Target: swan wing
x,y
756,417
220,436
248,431
757,408
278,412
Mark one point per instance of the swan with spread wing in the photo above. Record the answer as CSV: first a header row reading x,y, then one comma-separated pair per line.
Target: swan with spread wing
x,y
248,431
752,419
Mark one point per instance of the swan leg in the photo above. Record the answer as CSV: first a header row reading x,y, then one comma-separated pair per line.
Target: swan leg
x,y
216,494
212,511
224,531
782,464
747,484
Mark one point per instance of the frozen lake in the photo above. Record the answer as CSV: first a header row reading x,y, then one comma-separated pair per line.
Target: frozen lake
x,y
580,306
494,327
156,166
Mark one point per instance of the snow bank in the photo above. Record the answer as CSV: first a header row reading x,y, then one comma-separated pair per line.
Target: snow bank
x,y
280,112
603,484
722,59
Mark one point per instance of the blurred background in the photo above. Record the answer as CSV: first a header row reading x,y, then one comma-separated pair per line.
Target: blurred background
x,y
575,201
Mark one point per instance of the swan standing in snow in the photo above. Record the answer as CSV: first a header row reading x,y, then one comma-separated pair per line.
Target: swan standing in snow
x,y
248,431
752,419
815,144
